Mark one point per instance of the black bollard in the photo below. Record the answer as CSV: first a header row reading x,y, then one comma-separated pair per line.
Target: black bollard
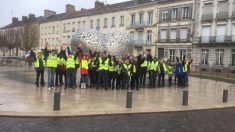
x,y
129,99
225,96
57,101
185,98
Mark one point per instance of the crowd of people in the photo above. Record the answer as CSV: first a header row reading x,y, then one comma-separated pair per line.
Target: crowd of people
x,y
102,70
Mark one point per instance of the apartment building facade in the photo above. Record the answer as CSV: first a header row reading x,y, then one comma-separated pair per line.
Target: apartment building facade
x,y
214,39
174,29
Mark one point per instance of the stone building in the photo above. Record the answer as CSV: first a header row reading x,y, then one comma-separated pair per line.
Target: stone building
x,y
174,27
214,38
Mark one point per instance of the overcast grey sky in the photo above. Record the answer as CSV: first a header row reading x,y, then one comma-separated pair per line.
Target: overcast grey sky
x,y
18,8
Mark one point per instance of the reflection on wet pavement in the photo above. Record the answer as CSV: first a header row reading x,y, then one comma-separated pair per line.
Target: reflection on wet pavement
x,y
19,96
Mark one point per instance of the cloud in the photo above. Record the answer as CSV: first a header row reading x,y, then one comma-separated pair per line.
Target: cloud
x,y
14,8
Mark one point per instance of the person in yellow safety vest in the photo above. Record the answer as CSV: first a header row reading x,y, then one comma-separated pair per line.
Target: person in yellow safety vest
x,y
153,67
103,68
111,72
84,71
61,69
118,68
93,74
126,78
143,71
70,66
185,73
134,75
170,73
51,66
39,67
162,69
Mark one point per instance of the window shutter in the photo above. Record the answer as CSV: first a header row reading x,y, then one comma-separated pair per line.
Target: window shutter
x,y
169,14
190,12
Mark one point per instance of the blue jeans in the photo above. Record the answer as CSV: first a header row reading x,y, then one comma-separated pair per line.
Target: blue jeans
x,y
75,77
103,77
51,73
69,78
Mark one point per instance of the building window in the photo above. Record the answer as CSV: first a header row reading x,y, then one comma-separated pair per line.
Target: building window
x,y
174,14
98,25
132,20
223,6
206,33
208,8
164,15
78,24
219,57
185,12
150,18
233,33
182,53
113,22
163,34
122,21
64,31
49,30
68,29
91,24
172,55
73,28
84,23
204,56
160,53
141,19
173,34
233,58
140,37
183,34
132,38
149,37
220,33
105,22
53,29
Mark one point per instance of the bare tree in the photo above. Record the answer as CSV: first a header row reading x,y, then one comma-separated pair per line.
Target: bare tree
x,y
30,37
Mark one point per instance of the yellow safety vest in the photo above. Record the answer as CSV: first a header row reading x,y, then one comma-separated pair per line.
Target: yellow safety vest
x,y
144,64
85,64
104,66
77,61
134,69
36,65
128,68
185,67
52,61
164,67
60,61
111,68
70,63
153,65
170,70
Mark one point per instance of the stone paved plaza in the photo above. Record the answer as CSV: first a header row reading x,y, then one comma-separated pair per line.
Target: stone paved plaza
x,y
20,97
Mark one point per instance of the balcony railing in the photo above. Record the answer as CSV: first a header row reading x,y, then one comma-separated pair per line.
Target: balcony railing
x,y
207,17
220,39
222,16
233,38
233,15
214,39
137,25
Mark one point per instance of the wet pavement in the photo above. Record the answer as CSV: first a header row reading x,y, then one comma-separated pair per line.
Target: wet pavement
x,y
216,120
20,97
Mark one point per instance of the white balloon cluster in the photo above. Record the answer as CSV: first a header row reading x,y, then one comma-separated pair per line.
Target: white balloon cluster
x,y
115,43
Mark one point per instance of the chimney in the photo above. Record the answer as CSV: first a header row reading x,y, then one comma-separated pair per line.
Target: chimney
x,y
48,13
31,16
70,9
99,4
24,19
14,20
